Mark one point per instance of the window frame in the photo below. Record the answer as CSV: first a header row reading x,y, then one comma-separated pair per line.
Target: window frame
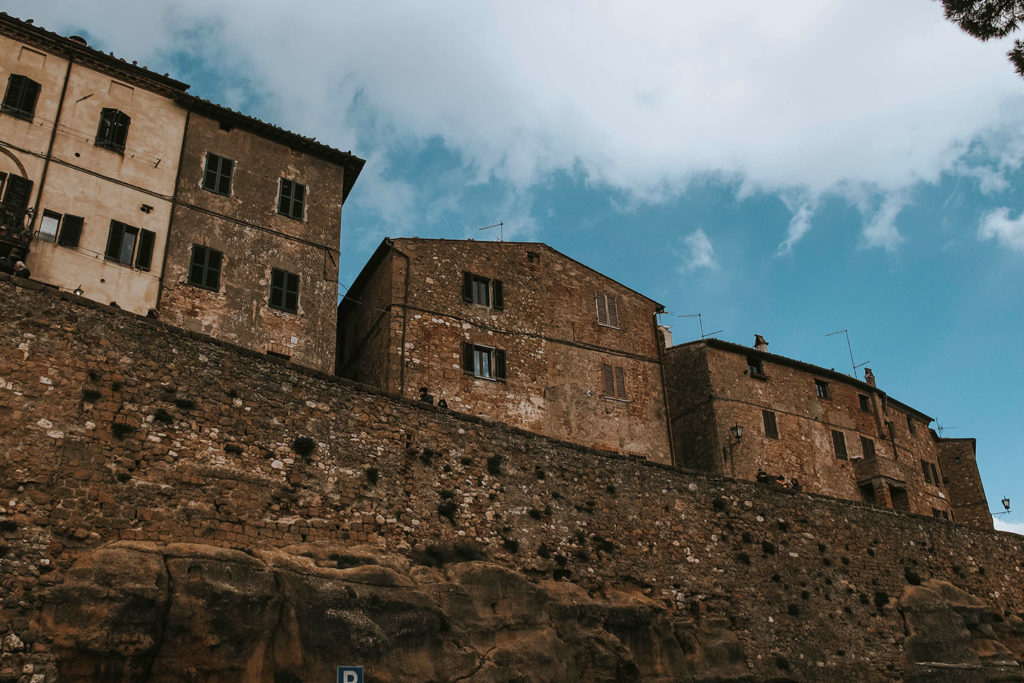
x,y
614,381
56,218
25,89
770,422
865,403
288,205
204,267
839,445
607,310
140,256
755,367
281,285
475,287
496,362
867,447
70,234
822,389
112,133
218,174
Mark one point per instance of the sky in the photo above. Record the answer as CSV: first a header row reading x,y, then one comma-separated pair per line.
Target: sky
x,y
788,169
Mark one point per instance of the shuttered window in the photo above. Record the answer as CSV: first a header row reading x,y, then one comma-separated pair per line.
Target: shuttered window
x,y
771,427
607,312
482,291
126,242
867,446
284,290
614,380
217,175
483,361
20,98
291,199
70,230
204,270
113,130
839,444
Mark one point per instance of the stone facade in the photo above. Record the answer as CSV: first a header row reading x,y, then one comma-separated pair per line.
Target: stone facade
x,y
836,435
177,508
513,332
116,215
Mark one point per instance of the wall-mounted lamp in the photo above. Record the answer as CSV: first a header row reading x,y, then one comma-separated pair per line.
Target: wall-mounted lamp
x,y
737,431
145,208
1006,506
78,291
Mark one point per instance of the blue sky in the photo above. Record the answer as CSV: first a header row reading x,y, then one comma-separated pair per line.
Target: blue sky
x,y
789,168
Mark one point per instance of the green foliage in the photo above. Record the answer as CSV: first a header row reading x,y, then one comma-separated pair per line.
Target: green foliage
x,y
990,19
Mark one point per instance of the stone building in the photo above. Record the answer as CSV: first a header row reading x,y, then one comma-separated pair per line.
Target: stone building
x,y
515,332
121,186
833,433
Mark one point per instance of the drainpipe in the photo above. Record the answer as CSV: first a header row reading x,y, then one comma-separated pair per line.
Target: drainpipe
x,y
49,150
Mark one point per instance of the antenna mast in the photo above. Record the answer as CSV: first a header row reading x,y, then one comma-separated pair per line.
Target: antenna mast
x,y
501,230
853,363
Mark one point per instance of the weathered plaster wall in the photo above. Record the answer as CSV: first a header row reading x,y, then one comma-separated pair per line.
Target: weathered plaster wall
x,y
254,239
801,586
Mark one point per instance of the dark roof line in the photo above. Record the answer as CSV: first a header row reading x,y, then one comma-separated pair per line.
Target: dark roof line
x,y
800,365
117,67
659,307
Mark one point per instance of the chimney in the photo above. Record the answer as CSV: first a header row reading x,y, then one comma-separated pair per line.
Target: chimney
x,y
666,336
760,344
869,376
78,39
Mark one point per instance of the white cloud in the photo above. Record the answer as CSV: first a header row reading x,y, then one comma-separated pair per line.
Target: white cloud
x,y
1012,527
699,252
799,225
881,230
811,96
1008,232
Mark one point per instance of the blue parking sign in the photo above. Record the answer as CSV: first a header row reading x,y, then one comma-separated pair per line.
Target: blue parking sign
x,y
350,674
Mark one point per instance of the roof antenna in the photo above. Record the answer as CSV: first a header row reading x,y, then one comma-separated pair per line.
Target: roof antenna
x,y
848,346
941,428
501,230
700,321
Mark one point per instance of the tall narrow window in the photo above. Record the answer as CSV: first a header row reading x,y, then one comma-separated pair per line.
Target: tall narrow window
x,y
839,444
910,425
865,403
867,446
821,388
284,290
614,381
113,130
483,361
70,230
217,176
121,243
771,427
607,312
926,472
20,98
755,368
48,226
144,254
935,474
482,291
291,199
204,270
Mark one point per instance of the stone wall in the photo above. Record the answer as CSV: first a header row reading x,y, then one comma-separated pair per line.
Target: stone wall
x,y
122,429
959,465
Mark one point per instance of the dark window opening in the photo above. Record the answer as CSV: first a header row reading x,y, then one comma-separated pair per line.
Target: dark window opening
x,y
821,388
607,312
839,444
291,199
755,367
867,446
70,230
891,427
113,130
217,175
867,492
865,403
927,473
284,291
482,291
125,242
910,425
20,98
614,381
204,270
771,427
900,499
533,257
15,204
483,361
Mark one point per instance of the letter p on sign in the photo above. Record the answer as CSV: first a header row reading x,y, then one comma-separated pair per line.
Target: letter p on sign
x,y
350,674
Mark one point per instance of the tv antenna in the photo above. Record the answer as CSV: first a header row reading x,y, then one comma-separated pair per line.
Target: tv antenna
x,y
501,230
854,364
700,321
941,428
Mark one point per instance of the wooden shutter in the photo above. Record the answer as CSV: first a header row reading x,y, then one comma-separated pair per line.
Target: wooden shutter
x,y
499,364
114,240
839,444
620,382
70,231
497,296
467,357
771,427
613,316
602,310
16,196
467,287
144,256
924,470
609,380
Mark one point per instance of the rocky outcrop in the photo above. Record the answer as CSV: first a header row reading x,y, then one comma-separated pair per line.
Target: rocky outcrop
x,y
137,611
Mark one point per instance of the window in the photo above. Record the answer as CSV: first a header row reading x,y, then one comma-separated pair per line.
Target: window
x,y
204,271
867,447
483,361
927,472
20,98
291,199
217,177
935,474
70,230
614,381
606,311
755,367
839,444
891,427
48,226
125,242
284,290
771,427
482,291
533,257
910,425
865,403
113,130
821,387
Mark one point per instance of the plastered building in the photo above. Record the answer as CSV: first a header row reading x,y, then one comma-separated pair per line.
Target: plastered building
x,y
119,185
510,331
833,433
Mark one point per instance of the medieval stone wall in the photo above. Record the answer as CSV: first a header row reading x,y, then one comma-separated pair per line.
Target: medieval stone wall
x,y
959,465
119,428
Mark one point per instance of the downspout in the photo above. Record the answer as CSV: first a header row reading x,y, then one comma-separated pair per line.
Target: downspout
x,y
170,219
659,342
405,320
49,150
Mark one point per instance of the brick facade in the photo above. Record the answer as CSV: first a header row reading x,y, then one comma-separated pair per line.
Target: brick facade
x,y
579,352
836,435
205,453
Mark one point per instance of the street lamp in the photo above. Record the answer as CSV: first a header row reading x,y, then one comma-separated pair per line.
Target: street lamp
x,y
1006,507
737,434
